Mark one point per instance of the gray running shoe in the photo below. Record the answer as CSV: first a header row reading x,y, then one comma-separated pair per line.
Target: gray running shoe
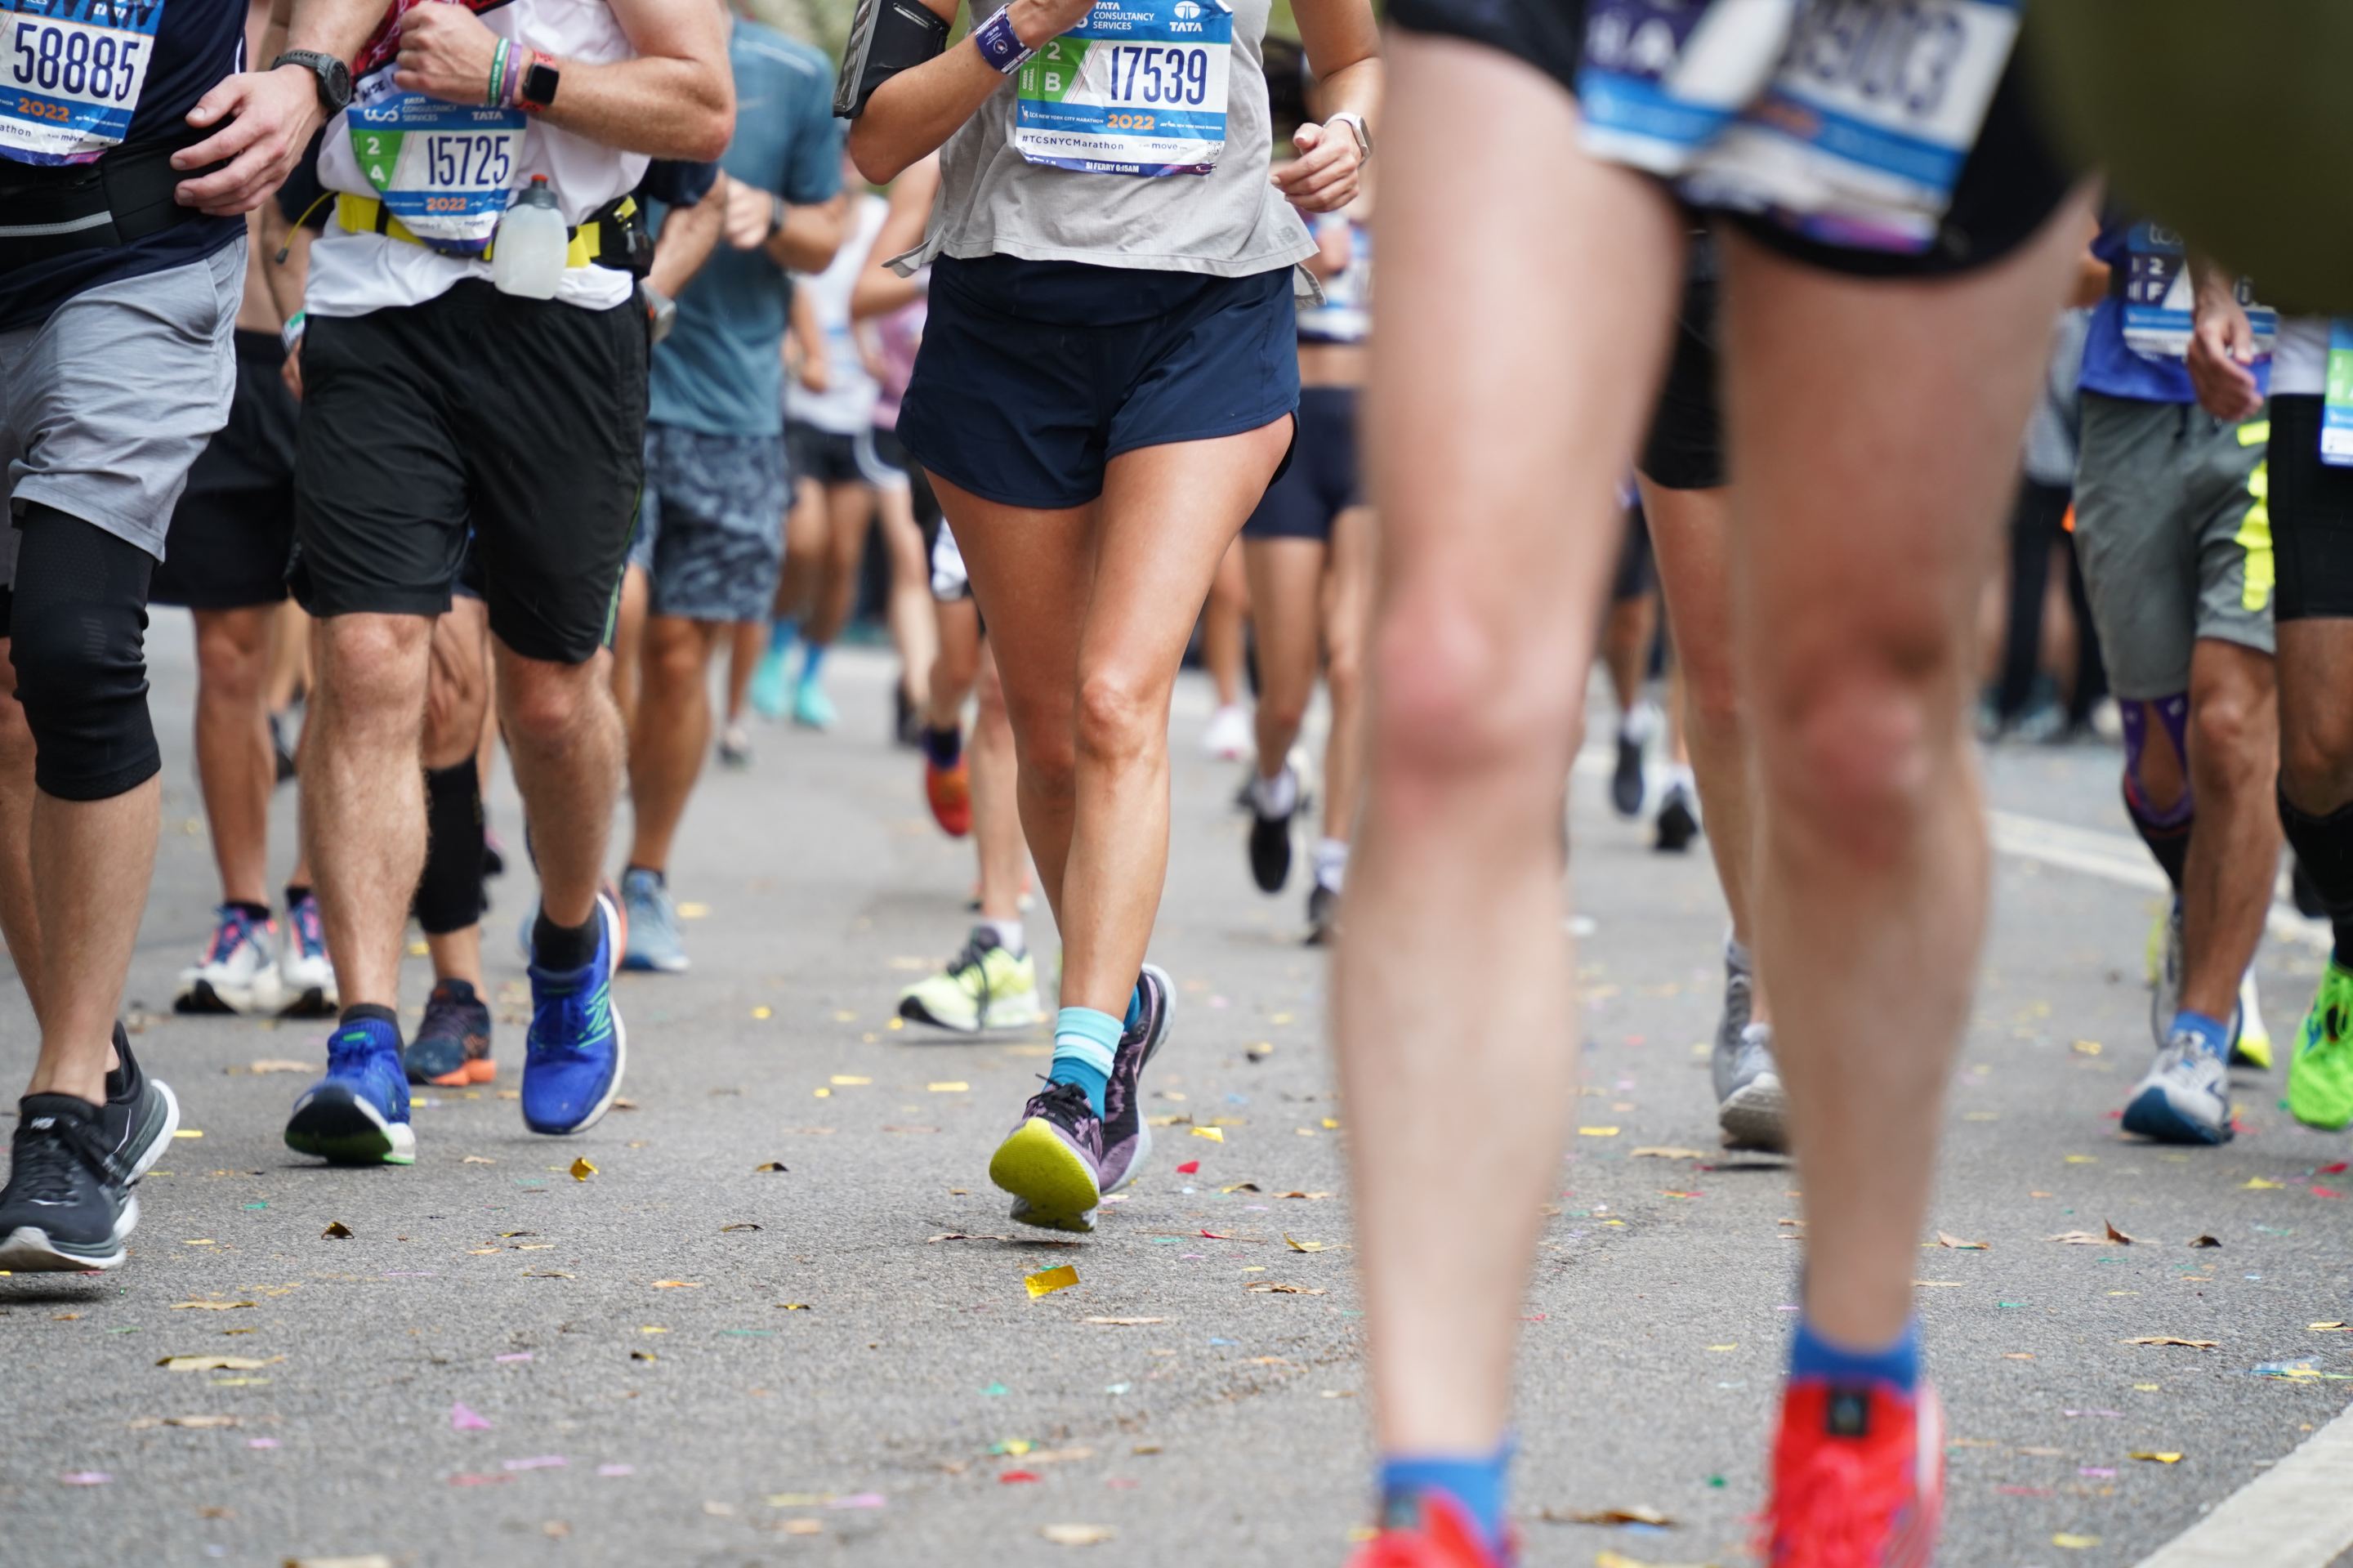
x,y
1739,1006
654,942
1752,1107
2185,1099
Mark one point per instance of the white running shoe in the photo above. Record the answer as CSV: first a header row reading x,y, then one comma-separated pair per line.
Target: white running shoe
x,y
306,980
238,972
1230,738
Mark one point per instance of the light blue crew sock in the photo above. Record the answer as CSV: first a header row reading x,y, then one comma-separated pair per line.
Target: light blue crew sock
x,y
2214,1035
1085,1040
1476,1485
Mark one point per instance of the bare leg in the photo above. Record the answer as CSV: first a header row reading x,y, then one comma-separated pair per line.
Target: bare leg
x,y
93,861
290,656
364,794
628,637
956,667
1347,616
1493,553
1875,432
804,552
1222,619
19,922
1286,584
234,764
2316,671
743,645
2226,886
849,508
457,703
1626,635
995,810
564,739
914,623
673,732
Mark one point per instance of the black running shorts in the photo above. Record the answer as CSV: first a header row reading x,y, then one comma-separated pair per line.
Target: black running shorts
x,y
234,526
523,418
2312,517
1685,449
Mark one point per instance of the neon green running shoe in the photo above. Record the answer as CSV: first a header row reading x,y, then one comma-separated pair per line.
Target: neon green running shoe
x,y
2320,1073
2251,1038
983,987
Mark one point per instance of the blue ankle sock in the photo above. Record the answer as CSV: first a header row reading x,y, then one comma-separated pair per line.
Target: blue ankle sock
x,y
944,748
812,655
1897,1365
1475,1484
1083,1042
1134,1008
781,632
2213,1034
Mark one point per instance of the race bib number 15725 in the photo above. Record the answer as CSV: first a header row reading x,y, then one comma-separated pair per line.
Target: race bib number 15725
x,y
71,75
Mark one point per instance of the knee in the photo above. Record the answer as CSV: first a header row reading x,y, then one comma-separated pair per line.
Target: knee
x,y
1121,719
545,707
2316,759
1456,699
674,660
232,655
1859,734
2229,741
374,664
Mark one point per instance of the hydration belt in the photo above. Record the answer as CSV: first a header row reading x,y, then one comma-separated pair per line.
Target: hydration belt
x,y
614,236
54,210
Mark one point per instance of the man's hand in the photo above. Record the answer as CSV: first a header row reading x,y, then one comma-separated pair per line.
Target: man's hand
x,y
291,371
816,376
1035,22
751,214
445,53
1322,178
2221,346
271,115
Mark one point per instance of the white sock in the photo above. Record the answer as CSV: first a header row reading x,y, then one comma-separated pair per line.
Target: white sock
x,y
1330,860
1008,934
1278,796
1736,958
1639,723
1679,776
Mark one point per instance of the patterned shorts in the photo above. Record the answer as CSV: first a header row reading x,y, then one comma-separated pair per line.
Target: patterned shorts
x,y
711,529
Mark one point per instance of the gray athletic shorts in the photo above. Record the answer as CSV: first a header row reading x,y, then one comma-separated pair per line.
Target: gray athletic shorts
x,y
711,525
2174,537
105,406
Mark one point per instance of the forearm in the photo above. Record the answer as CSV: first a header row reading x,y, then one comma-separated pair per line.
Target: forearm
x,y
912,114
2211,286
808,238
688,235
1354,89
878,291
663,107
337,27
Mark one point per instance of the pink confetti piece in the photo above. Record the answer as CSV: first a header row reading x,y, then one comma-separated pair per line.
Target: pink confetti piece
x,y
514,1356
86,1478
612,1471
464,1420
2096,1472
475,1481
539,1462
261,1442
857,1500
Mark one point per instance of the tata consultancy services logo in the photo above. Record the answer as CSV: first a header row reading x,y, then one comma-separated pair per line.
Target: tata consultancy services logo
x,y
1186,9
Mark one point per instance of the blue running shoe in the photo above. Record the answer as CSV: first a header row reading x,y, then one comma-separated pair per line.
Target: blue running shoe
x,y
654,942
575,1054
770,693
357,1114
812,709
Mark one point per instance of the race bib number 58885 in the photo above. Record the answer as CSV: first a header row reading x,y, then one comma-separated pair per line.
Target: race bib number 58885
x,y
1138,88
71,75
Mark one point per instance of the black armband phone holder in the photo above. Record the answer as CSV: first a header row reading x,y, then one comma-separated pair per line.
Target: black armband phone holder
x,y
886,36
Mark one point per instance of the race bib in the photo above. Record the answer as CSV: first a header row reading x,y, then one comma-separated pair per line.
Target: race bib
x,y
1138,88
2157,297
443,169
1848,121
2336,413
71,75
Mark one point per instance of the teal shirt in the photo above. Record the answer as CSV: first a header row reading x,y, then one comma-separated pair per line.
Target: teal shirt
x,y
720,371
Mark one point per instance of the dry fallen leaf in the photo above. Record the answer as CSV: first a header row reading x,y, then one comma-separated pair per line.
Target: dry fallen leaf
x,y
772,1166
1612,1516
1946,1238
477,1160
1662,1153
207,1306
2204,1241
1268,1287
337,1230
2116,1235
963,1235
372,1560
2169,1339
279,1064
678,1284
146,1422
1077,1534
1297,1245
742,1225
2080,1238
1123,1322
2153,1457
216,1364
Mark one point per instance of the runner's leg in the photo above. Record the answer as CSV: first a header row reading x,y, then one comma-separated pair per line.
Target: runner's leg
x,y
19,925
673,732
1348,614
1286,582
564,740
2226,885
235,765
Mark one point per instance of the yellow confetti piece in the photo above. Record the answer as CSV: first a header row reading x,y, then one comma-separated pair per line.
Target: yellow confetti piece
x,y
419,949
1331,1124
953,1086
822,1093
2147,1387
1721,1349
845,1016
2075,1542
2257,1184
188,1132
2153,1457
694,911
1214,1134
2083,1160
1279,1019
582,1170
1050,1280
678,1284
763,1012
896,1024
1298,1245
1596,1133
849,1081
2085,1048
1077,1534
649,1329
201,1241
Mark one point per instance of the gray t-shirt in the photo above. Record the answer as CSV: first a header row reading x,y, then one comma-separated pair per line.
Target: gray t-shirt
x,y
1229,222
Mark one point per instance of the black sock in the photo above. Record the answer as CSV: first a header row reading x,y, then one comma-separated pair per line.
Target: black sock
x,y
450,889
2324,845
123,1081
2169,842
563,948
257,913
360,1012
296,892
944,746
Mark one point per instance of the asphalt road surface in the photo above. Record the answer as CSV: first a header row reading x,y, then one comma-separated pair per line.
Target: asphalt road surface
x,y
689,1358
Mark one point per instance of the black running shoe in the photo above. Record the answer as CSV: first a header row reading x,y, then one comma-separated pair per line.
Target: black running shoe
x,y
1625,781
1270,850
67,1206
1127,1140
140,1112
452,1047
282,754
1678,823
1323,916
906,722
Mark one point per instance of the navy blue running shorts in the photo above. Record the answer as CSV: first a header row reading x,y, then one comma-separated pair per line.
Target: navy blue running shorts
x,y
1321,481
1034,375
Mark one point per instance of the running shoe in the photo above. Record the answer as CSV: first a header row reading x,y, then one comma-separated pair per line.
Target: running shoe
x,y
1751,1106
357,1114
452,1048
906,724
1322,915
1269,848
949,789
494,853
2320,1073
812,709
577,1049
1230,738
1052,1162
306,979
238,971
734,747
2250,1037
1678,822
770,693
1625,781
985,986
654,942
2165,975
2186,1097
1439,1534
1858,1478
68,1204
282,754
1126,1136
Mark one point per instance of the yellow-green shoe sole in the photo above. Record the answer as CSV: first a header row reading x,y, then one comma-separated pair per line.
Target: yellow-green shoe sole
x,y
1035,1165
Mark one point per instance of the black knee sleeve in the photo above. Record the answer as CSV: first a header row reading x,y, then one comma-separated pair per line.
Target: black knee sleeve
x,y
2324,846
77,633
449,893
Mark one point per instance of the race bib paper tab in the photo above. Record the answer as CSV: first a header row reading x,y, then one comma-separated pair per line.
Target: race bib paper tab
x,y
443,169
2156,297
71,75
1848,121
2336,413
1138,88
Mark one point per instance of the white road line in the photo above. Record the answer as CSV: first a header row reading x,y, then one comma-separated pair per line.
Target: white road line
x,y
2126,860
2297,1514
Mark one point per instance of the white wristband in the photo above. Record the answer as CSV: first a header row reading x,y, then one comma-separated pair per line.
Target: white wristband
x,y
291,333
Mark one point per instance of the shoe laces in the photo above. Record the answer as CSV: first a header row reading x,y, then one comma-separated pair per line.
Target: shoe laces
x,y
307,931
572,1018
448,1014
48,1160
1066,1104
234,931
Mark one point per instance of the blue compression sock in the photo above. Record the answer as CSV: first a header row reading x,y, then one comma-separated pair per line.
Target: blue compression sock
x,y
1896,1365
812,655
781,632
2213,1034
1477,1485
1134,1007
1083,1042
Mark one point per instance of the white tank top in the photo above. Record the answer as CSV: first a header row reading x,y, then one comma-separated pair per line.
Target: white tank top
x,y
352,274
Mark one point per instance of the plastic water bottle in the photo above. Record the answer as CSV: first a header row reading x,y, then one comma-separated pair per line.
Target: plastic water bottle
x,y
527,259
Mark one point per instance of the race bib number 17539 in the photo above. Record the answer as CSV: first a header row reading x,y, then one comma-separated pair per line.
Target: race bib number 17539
x,y
1138,88
71,75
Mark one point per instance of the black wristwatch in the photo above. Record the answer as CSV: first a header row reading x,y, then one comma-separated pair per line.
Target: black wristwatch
x,y
538,83
334,77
